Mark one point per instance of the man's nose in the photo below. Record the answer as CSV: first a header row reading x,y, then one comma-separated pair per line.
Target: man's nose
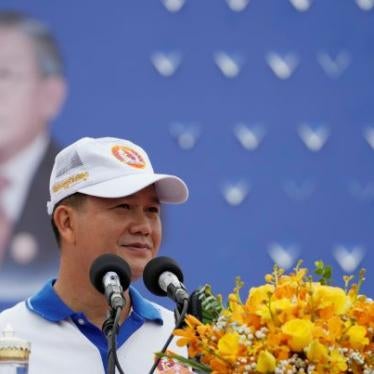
x,y
140,224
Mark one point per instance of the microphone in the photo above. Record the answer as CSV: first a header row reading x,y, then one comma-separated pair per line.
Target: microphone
x,y
163,277
111,275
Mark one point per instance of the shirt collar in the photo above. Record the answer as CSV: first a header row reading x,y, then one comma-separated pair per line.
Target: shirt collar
x,y
143,307
51,307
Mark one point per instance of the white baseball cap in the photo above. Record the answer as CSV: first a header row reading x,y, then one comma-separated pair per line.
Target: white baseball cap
x,y
111,168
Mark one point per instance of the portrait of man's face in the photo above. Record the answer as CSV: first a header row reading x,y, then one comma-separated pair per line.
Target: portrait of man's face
x,y
24,111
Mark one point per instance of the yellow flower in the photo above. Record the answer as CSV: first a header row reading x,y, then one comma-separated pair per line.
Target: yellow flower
x,y
301,274
357,337
259,295
281,305
218,366
333,298
233,300
278,307
188,336
299,333
228,346
292,315
269,278
236,308
266,362
317,352
338,363
335,327
363,312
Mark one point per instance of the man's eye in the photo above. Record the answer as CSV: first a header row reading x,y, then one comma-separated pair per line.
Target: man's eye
x,y
154,209
124,206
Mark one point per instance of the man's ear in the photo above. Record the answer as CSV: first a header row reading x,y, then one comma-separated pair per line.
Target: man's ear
x,y
53,96
64,220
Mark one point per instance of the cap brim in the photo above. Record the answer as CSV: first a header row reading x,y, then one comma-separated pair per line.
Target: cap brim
x,y
169,188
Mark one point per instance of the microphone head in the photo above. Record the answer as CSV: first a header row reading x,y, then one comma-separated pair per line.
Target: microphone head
x,y
155,268
109,262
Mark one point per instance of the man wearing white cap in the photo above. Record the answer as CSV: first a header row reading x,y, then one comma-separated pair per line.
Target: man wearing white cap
x,y
104,198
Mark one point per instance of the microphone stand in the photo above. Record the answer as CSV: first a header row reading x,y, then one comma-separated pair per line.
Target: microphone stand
x,y
110,330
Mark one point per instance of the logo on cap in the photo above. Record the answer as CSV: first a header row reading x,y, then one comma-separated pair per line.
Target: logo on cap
x,y
129,156
70,181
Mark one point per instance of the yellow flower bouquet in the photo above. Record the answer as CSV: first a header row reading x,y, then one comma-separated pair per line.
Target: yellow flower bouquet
x,y
291,324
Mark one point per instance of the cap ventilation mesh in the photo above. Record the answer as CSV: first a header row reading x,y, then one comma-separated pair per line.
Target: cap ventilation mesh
x,y
69,162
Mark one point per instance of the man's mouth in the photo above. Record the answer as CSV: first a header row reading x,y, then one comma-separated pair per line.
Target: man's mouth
x,y
137,245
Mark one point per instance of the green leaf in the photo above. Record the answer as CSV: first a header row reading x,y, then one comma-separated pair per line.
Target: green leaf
x,y
324,271
211,304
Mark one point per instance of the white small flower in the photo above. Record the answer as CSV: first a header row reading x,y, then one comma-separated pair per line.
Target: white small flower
x,y
368,371
311,369
259,334
356,356
300,363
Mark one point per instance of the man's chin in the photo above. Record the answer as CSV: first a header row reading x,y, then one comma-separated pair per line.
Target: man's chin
x,y
137,263
137,269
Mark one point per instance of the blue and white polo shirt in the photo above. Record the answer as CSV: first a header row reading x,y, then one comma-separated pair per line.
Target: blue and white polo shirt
x,y
65,342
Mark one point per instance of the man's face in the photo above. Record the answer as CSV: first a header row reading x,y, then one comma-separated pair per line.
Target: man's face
x,y
129,227
23,112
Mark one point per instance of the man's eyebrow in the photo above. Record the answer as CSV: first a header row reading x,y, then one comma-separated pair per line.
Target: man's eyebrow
x,y
154,199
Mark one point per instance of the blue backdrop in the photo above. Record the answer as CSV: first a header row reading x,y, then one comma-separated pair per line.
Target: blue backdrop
x,y
265,108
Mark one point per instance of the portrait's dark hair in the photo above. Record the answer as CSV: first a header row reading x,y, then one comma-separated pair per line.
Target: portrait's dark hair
x,y
47,51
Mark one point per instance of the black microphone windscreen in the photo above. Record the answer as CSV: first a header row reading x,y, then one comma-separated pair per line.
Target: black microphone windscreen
x,y
155,268
109,262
